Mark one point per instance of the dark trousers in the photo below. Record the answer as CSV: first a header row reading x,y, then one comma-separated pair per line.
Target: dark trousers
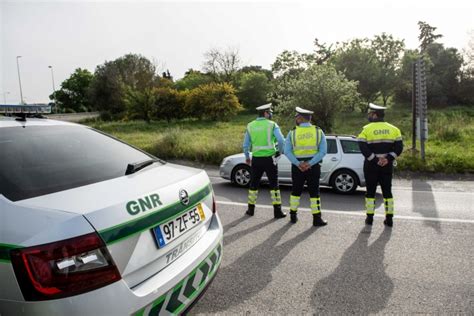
x,y
261,165
374,175
310,177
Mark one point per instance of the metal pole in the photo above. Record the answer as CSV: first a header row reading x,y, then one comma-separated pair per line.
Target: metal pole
x,y
52,78
19,78
422,105
413,106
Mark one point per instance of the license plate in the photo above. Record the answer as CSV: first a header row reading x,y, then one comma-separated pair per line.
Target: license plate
x,y
169,231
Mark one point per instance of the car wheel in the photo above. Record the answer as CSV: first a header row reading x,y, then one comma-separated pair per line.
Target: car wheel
x,y
344,181
241,175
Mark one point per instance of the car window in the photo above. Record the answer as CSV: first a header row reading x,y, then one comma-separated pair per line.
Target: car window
x,y
38,160
332,146
350,147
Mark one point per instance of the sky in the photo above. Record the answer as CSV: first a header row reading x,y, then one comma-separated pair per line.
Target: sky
x,y
175,35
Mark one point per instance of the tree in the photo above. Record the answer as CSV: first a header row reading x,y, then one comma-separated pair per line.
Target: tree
x,y
169,104
404,86
427,35
388,51
294,62
192,79
214,101
254,88
73,94
322,52
287,67
114,79
139,104
443,74
258,69
222,64
466,86
289,63
322,89
358,62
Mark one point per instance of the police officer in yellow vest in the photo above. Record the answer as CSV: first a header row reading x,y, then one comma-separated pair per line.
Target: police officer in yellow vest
x,y
261,137
305,147
380,143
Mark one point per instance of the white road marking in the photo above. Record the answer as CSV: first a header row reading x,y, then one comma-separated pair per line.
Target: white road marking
x,y
429,191
361,213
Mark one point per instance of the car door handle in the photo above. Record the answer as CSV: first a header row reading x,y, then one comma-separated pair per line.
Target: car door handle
x,y
333,159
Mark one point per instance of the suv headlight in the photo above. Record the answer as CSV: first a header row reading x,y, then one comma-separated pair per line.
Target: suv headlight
x,y
225,161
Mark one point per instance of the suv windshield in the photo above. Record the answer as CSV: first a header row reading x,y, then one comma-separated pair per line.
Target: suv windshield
x,y
38,160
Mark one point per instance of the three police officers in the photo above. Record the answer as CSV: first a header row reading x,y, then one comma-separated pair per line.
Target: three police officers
x,y
380,143
305,148
262,137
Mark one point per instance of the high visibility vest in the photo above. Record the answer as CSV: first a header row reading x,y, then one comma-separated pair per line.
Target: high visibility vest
x,y
305,141
262,138
380,133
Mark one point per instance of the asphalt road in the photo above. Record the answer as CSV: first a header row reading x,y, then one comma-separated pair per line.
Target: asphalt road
x,y
424,264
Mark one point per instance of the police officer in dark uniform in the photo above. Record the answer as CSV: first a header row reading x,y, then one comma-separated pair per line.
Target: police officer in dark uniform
x,y
261,138
305,147
381,143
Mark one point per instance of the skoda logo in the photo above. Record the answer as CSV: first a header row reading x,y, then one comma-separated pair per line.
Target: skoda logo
x,y
184,197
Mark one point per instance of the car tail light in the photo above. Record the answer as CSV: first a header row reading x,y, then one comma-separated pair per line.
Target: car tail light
x,y
63,268
214,208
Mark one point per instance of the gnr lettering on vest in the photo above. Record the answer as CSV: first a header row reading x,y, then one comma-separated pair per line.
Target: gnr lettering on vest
x,y
305,136
381,132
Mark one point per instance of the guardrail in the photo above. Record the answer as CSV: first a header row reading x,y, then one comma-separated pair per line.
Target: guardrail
x,y
73,117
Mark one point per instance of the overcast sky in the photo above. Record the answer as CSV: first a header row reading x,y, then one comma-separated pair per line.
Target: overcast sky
x,y
175,35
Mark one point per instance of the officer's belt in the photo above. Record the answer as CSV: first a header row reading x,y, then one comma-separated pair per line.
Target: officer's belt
x,y
304,158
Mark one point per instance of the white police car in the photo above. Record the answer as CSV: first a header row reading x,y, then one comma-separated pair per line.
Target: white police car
x,y
92,226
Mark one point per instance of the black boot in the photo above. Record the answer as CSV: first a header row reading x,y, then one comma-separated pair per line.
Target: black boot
x,y
277,212
318,221
369,219
388,220
293,217
251,210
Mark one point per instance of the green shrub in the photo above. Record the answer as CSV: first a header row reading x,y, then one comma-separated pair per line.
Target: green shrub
x,y
169,104
213,101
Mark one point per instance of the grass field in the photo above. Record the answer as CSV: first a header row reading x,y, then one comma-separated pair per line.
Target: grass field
x,y
448,150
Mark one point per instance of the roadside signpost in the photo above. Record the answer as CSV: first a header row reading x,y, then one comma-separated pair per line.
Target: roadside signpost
x,y
420,106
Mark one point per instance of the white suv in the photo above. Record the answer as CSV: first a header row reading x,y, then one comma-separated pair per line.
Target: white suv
x,y
342,167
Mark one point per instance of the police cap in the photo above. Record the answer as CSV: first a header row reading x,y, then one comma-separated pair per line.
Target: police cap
x,y
265,107
375,107
303,112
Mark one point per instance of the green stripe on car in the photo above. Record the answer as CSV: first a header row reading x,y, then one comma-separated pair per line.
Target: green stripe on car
x,y
125,230
5,252
130,228
177,298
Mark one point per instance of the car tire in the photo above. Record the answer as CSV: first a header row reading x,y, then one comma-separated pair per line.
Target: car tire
x,y
241,175
344,181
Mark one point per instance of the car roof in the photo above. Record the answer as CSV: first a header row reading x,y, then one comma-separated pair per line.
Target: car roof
x,y
341,136
7,121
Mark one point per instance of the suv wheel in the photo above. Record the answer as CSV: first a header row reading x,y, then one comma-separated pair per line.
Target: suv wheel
x,y
344,181
241,175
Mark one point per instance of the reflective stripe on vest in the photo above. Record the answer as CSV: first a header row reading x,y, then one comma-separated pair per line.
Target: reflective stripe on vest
x,y
305,141
262,138
380,132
